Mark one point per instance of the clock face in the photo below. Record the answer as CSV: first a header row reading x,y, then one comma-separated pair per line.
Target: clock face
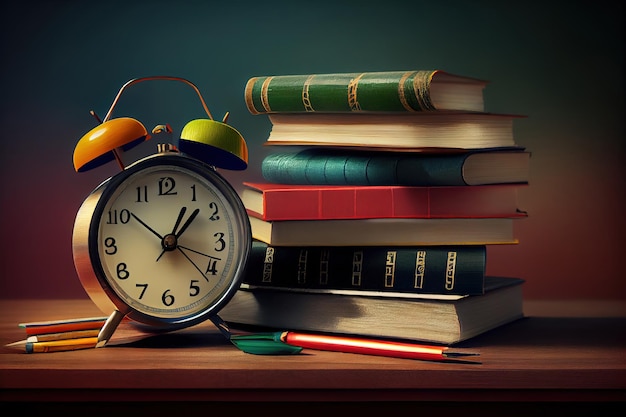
x,y
169,239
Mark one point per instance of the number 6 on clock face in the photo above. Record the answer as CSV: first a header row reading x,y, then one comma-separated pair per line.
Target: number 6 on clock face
x,y
165,241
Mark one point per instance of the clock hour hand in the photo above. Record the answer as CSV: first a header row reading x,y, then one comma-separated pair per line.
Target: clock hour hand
x,y
146,226
179,219
181,213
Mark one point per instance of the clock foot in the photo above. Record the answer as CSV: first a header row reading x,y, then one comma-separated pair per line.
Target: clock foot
x,y
221,325
109,328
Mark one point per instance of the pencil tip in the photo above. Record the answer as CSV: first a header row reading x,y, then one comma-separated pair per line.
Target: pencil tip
x,y
459,354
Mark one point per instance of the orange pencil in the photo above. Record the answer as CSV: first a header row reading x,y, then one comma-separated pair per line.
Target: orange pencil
x,y
56,345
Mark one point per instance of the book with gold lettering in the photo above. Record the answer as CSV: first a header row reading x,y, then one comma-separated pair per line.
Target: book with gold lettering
x,y
386,91
402,271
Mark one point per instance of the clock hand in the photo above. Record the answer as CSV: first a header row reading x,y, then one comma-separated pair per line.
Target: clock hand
x,y
146,226
212,259
180,217
170,241
188,222
193,263
195,251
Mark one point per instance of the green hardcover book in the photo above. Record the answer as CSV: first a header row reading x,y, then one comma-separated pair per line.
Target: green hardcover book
x,y
386,91
443,270
324,166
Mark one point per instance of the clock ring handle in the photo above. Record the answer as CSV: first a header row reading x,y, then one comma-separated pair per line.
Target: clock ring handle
x,y
156,77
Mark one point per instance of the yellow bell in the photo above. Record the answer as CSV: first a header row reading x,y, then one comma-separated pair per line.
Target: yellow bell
x,y
215,143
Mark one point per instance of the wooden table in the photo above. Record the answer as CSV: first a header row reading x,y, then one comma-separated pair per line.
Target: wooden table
x,y
545,361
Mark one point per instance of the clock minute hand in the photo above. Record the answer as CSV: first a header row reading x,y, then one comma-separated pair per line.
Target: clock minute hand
x,y
188,222
146,226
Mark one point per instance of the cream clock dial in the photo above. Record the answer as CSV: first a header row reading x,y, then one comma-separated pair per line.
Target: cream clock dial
x,y
164,242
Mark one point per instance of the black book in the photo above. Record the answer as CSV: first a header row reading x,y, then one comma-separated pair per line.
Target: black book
x,y
399,270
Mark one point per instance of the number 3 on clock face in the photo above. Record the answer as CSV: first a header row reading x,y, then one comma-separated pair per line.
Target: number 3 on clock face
x,y
165,242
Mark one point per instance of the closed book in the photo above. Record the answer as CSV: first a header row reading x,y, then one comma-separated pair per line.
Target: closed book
x,y
407,91
391,232
326,166
437,321
399,270
275,202
398,131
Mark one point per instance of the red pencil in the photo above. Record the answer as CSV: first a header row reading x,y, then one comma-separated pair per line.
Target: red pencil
x,y
371,347
61,326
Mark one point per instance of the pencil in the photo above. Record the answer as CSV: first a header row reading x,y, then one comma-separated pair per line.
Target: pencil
x,y
76,334
370,347
56,345
62,326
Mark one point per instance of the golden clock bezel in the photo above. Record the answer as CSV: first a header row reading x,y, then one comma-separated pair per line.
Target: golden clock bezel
x,y
85,242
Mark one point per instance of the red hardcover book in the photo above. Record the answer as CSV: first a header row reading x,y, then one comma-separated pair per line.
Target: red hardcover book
x,y
277,202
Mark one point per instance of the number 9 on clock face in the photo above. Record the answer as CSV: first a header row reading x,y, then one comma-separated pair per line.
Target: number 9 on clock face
x,y
165,242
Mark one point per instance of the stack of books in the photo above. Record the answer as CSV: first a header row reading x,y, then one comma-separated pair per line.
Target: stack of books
x,y
377,207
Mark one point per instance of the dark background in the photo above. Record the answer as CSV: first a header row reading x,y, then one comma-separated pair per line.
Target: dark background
x,y
559,63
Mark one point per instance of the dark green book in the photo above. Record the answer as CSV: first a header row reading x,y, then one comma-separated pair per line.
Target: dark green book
x,y
325,166
386,91
442,270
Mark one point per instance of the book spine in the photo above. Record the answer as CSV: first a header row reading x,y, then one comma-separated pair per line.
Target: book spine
x,y
319,202
311,167
452,270
351,92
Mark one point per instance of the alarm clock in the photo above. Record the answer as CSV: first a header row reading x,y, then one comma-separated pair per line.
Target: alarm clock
x,y
164,242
